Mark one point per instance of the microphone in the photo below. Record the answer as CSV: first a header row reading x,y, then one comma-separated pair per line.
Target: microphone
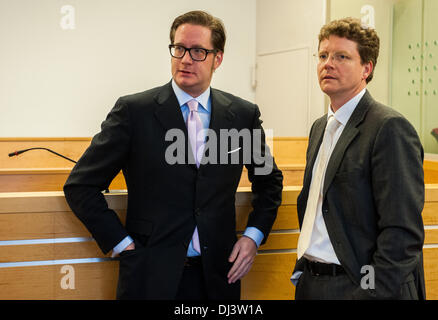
x,y
16,153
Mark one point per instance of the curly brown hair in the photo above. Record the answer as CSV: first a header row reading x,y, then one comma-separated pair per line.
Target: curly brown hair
x,y
368,42
202,18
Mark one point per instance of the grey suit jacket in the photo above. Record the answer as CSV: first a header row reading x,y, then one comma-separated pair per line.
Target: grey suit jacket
x,y
373,196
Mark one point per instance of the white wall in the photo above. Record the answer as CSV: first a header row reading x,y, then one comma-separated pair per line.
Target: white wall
x,y
287,86
56,82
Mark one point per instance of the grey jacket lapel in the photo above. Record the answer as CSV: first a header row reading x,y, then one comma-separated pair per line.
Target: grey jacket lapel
x,y
347,136
314,143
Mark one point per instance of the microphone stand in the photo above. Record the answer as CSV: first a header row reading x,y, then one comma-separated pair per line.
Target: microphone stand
x,y
16,153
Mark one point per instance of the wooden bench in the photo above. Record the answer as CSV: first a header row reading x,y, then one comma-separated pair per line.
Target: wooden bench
x,y
46,253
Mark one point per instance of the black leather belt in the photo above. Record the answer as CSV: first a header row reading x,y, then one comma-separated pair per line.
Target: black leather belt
x,y
192,261
324,269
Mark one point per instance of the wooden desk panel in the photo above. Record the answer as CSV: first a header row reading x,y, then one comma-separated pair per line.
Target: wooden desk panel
x,y
286,150
430,171
269,278
92,281
53,179
70,147
39,236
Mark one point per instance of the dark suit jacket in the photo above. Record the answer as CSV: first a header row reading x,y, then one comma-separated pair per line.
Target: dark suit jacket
x,y
373,196
166,201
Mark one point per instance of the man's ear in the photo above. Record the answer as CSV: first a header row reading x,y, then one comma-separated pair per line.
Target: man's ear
x,y
219,56
368,68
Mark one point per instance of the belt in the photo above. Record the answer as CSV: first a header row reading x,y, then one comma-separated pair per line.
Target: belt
x,y
324,269
192,261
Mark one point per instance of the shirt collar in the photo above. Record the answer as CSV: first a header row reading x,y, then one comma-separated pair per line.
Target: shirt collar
x,y
183,97
344,113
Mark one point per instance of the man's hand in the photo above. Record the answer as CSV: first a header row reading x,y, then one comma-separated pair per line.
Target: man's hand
x,y
242,255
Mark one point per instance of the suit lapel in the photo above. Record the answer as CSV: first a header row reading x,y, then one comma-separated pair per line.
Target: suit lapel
x,y
314,144
221,118
221,115
168,112
347,136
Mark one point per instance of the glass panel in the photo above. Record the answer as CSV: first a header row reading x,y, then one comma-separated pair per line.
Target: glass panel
x,y
430,75
407,62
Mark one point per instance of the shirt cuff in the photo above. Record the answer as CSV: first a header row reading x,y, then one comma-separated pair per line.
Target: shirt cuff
x,y
295,277
255,234
121,246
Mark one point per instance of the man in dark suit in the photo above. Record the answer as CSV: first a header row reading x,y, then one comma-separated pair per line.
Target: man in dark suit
x,y
363,192
179,241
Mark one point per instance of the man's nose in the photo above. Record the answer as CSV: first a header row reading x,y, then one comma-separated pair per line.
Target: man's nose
x,y
328,63
187,59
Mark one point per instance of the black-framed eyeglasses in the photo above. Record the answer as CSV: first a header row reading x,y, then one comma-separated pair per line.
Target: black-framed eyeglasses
x,y
197,54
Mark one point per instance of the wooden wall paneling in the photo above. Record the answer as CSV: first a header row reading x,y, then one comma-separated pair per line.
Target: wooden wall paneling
x,y
45,215
430,172
91,281
431,272
53,179
286,150
269,278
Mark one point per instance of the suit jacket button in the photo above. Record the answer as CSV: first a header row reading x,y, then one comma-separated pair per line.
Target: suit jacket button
x,y
197,211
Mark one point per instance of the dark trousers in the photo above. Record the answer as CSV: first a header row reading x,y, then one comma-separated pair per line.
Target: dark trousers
x,y
324,287
340,287
192,285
